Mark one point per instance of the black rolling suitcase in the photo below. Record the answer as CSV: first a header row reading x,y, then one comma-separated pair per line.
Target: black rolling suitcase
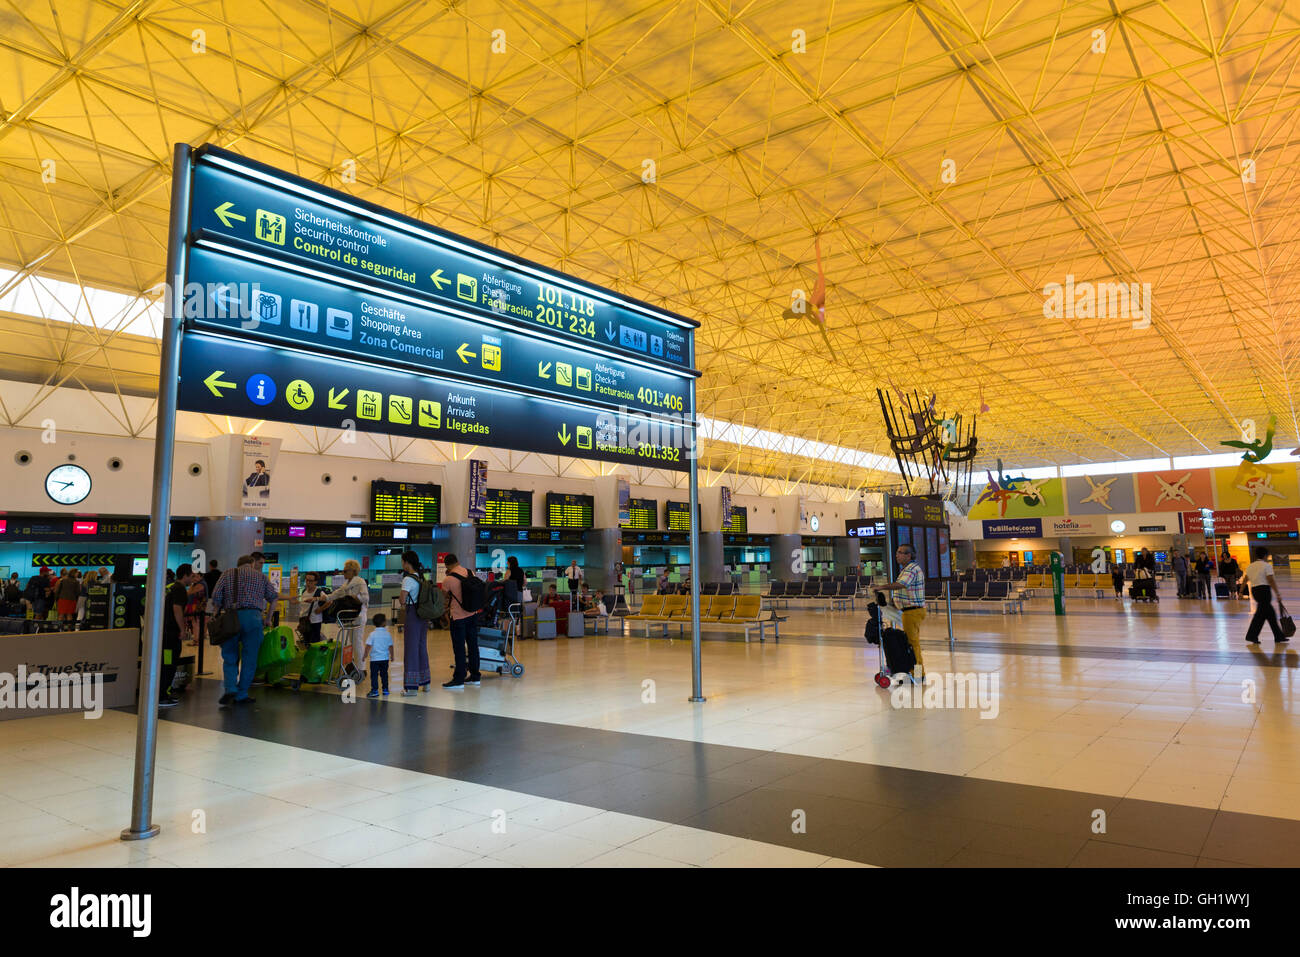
x,y
1221,590
899,658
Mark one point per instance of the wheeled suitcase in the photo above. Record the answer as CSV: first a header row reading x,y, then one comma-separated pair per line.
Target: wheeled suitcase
x,y
1221,590
899,657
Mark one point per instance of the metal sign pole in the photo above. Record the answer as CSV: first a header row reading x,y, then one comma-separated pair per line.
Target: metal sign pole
x,y
947,594
146,735
697,686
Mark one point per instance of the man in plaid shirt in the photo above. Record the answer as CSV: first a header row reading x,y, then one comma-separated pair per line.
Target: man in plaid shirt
x,y
911,582
246,589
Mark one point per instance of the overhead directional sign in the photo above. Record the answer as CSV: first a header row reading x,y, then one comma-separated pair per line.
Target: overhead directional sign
x,y
306,311
225,376
277,214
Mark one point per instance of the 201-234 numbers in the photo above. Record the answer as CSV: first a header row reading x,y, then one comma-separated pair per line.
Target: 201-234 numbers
x,y
561,309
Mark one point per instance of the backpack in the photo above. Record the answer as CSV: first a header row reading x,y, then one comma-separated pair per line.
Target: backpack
x,y
473,593
431,603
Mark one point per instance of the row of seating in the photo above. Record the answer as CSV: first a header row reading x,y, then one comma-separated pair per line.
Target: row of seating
x,y
1096,582
843,593
744,610
972,594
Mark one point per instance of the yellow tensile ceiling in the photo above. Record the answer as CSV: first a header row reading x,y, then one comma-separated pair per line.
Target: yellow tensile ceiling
x,y
1170,158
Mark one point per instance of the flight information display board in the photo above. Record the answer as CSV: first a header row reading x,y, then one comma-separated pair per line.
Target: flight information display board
x,y
642,514
411,502
566,510
508,508
678,516
738,523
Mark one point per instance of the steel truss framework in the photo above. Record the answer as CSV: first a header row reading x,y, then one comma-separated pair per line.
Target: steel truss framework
x,y
955,158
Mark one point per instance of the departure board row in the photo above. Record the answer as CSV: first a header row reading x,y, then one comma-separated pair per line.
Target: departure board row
x,y
416,502
566,510
739,521
508,508
642,514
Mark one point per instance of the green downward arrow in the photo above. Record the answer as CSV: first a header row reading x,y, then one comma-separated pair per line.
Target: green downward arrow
x,y
563,435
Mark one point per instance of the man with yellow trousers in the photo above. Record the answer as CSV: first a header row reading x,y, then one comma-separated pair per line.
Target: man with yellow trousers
x,y
911,582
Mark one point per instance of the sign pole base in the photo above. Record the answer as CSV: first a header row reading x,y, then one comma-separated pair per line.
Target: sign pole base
x,y
131,835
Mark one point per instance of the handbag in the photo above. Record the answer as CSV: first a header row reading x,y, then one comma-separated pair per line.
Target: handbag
x,y
526,595
223,627
1285,623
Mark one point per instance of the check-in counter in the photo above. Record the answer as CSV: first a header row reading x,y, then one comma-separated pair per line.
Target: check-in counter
x,y
91,670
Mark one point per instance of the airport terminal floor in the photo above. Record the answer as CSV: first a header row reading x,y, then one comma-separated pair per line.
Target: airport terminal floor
x,y
1157,718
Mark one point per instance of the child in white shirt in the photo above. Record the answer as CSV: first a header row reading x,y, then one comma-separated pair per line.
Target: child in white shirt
x,y
379,649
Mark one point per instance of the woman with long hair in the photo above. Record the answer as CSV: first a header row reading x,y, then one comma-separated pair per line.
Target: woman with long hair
x,y
415,631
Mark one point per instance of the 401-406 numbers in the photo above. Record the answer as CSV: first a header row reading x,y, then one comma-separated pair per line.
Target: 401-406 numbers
x,y
561,309
663,400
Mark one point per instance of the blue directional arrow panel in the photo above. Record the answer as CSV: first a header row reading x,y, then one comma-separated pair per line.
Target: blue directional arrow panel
x,y
225,376
264,210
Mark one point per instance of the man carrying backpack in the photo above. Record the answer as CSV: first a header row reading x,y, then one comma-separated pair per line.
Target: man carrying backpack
x,y
468,595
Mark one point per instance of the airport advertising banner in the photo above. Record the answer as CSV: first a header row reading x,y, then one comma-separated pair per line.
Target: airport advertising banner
x,y
1024,528
478,469
1100,494
1244,520
73,671
1025,499
1176,490
259,463
1255,488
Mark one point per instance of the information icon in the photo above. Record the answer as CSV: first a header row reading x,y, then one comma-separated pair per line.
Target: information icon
x,y
260,389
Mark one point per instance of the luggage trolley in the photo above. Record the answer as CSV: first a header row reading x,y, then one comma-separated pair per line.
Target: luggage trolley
x,y
337,671
875,635
496,646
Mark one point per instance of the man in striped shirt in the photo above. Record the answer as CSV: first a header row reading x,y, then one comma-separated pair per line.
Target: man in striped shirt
x,y
911,582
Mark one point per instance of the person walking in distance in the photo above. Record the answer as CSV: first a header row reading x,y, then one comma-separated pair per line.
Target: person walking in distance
x,y
464,623
247,590
1259,576
1180,572
911,583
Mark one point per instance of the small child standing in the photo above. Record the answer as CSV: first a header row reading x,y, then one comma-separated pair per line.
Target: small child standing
x,y
1117,581
379,648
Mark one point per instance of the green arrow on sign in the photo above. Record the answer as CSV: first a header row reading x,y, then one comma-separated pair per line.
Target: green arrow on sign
x,y
336,401
225,215
563,435
214,383
465,355
439,280
544,370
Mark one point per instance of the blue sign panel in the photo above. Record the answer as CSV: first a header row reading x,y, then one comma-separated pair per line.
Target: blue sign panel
x,y
256,299
273,213
1013,528
224,376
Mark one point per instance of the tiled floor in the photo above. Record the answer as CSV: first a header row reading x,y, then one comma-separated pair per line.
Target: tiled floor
x,y
585,761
